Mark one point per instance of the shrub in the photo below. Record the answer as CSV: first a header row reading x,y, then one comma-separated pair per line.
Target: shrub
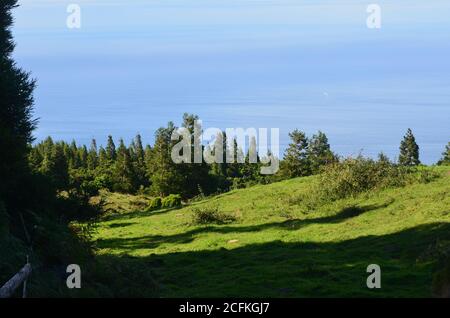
x,y
171,201
4,221
208,215
155,204
357,175
426,176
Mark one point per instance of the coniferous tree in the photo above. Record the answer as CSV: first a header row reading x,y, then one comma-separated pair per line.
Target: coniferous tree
x,y
409,150
219,167
165,176
123,170
73,156
250,169
92,159
235,157
445,160
319,152
382,158
196,173
16,110
137,153
296,161
111,149
139,150
83,156
102,157
55,166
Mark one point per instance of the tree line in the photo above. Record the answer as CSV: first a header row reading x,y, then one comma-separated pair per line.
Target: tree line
x,y
139,168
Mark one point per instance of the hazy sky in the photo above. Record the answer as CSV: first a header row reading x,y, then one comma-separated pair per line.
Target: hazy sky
x,y
134,65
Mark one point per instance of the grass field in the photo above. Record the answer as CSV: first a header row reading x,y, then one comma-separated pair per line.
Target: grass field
x,y
278,248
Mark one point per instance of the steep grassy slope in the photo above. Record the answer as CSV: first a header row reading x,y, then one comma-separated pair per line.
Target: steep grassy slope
x,y
278,248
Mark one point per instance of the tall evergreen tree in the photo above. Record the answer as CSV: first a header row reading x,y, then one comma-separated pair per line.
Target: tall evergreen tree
x,y
92,159
16,110
445,160
165,176
73,156
102,157
219,167
137,153
319,152
235,158
83,156
296,162
55,166
123,170
197,173
409,150
250,169
139,150
110,149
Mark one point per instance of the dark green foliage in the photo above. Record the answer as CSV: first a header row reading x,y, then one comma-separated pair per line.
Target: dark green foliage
x,y
409,150
209,215
171,201
16,110
110,149
354,176
155,204
92,157
4,221
319,152
305,156
445,160
296,162
124,176
42,189
151,170
164,173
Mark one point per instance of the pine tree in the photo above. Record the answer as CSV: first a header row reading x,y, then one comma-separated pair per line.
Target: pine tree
x,y
123,170
102,157
296,162
319,152
165,176
55,166
139,150
409,150
196,174
219,167
137,153
73,156
92,159
445,160
83,156
235,157
382,158
111,149
16,110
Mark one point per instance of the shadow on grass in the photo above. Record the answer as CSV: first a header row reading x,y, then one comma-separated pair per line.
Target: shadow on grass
x,y
137,213
280,269
123,224
153,241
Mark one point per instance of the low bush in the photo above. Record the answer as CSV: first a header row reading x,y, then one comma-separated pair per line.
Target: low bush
x,y
155,204
171,201
209,215
426,176
353,176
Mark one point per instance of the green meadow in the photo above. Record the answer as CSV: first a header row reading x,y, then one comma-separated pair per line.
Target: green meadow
x,y
276,245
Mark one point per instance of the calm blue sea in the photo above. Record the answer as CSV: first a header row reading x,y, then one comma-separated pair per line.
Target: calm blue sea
x,y
134,65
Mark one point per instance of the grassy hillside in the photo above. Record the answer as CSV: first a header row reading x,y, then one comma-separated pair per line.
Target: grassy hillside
x,y
277,247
